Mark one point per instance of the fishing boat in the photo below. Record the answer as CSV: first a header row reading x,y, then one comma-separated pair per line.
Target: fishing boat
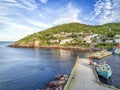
x,y
104,70
117,51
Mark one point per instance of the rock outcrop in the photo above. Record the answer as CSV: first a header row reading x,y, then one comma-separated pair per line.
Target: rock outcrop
x,y
36,44
58,83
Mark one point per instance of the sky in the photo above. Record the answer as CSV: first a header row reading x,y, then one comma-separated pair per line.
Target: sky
x,y
19,18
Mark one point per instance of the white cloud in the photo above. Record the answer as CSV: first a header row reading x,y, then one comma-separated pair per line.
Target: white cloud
x,y
12,30
48,10
44,1
38,23
24,4
27,4
15,31
106,11
19,18
41,15
11,1
68,14
12,34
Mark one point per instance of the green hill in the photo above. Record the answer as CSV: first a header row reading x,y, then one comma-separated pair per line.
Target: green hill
x,y
42,38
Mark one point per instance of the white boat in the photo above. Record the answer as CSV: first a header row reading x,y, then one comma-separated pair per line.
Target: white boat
x,y
104,70
117,51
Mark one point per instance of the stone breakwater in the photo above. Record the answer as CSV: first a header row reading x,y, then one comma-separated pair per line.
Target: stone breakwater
x,y
58,83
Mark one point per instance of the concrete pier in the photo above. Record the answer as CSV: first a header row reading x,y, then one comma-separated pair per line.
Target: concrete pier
x,y
84,78
100,54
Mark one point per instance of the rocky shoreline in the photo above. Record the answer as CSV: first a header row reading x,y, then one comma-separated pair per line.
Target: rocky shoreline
x,y
57,47
58,83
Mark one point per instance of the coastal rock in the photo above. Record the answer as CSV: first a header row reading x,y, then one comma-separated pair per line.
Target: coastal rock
x,y
58,77
62,78
61,82
51,84
36,44
58,83
66,76
60,88
49,88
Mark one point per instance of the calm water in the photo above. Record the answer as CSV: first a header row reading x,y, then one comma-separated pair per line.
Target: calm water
x,y
31,69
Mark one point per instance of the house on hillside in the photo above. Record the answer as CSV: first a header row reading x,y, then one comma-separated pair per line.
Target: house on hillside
x,y
62,34
88,38
98,39
79,35
68,34
109,41
117,39
54,41
66,40
59,35
86,34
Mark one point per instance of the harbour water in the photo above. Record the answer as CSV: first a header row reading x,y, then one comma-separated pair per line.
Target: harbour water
x,y
31,69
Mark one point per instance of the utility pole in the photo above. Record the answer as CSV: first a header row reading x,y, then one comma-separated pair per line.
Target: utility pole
x,y
90,58
111,38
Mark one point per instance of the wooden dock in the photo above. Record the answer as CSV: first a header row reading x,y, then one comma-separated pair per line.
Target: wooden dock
x,y
84,78
100,54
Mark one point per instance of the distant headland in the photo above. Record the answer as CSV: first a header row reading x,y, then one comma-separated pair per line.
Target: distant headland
x,y
74,36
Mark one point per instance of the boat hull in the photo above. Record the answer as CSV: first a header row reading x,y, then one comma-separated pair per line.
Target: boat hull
x,y
116,51
105,74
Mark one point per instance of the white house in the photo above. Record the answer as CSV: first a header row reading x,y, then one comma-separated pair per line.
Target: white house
x,y
54,41
88,39
109,41
98,39
117,38
66,40
68,34
95,35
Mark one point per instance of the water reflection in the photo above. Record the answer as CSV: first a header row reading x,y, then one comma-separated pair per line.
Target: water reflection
x,y
36,52
62,54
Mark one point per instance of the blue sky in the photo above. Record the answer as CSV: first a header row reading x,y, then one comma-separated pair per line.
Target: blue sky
x,y
19,18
